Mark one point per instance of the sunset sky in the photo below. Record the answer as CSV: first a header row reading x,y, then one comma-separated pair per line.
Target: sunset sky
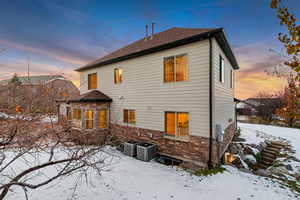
x,y
58,36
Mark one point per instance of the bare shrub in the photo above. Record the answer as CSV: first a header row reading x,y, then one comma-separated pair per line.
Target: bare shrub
x,y
29,149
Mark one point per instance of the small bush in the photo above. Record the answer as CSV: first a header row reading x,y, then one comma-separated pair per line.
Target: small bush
x,y
208,172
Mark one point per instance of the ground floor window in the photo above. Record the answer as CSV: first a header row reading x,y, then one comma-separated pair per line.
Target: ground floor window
x,y
89,119
77,114
177,124
129,116
102,118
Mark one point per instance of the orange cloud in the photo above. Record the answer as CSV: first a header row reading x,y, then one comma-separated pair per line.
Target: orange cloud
x,y
250,84
256,66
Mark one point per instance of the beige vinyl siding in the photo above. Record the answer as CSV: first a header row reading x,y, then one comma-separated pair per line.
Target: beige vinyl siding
x,y
223,102
143,89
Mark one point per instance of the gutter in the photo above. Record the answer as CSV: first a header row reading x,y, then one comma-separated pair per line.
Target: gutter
x,y
210,162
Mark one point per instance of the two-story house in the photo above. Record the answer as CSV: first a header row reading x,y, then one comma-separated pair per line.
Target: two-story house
x,y
174,88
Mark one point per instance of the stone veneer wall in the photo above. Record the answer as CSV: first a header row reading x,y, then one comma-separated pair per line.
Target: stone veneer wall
x,y
194,151
83,106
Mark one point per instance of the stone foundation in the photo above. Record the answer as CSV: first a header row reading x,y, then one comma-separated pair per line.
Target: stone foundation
x,y
194,151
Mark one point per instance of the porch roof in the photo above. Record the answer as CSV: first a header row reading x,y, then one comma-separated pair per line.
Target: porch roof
x,y
92,96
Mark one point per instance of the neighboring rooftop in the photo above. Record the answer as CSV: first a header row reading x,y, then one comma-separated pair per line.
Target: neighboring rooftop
x,y
34,80
92,96
164,40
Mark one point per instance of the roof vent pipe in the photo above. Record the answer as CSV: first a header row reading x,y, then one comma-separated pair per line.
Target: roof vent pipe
x,y
146,32
152,30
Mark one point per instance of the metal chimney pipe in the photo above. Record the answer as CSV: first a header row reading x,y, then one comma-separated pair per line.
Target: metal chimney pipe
x,y
152,30
146,31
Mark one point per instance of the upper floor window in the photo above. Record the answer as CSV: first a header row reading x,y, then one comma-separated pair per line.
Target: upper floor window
x,y
177,124
221,70
118,75
77,114
92,81
231,78
102,118
129,116
176,68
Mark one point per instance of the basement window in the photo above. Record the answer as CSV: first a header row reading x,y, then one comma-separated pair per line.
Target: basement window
x,y
177,124
228,158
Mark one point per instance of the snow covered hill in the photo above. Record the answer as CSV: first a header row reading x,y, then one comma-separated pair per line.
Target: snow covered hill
x,y
129,179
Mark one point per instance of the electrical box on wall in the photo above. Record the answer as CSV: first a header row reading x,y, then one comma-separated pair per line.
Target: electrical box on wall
x,y
219,133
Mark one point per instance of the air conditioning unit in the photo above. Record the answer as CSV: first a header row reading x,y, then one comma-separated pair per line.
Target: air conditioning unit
x,y
130,148
145,151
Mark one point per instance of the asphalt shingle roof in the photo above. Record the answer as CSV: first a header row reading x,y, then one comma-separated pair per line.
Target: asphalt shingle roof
x,y
92,96
152,44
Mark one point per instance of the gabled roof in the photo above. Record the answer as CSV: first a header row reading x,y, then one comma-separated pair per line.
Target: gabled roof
x,y
34,80
92,96
164,40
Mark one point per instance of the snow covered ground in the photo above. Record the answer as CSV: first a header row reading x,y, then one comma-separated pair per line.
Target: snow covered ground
x,y
43,118
129,179
255,133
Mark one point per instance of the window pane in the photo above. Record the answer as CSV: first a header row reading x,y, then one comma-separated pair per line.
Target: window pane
x,y
92,81
132,116
125,116
115,75
170,123
181,68
76,114
89,114
118,75
89,124
102,118
182,124
169,69
222,72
